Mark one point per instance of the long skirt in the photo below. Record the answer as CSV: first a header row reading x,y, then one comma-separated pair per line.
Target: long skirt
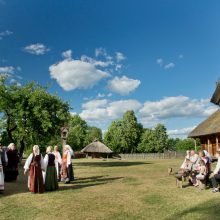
x,y
36,183
70,172
2,185
58,169
11,174
51,179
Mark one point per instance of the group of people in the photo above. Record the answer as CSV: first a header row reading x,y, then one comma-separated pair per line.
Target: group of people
x,y
198,168
44,173
9,159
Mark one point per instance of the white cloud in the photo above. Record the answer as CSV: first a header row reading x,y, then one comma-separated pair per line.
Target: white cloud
x,y
169,66
95,62
182,132
100,52
123,85
119,57
175,107
7,70
36,49
160,61
5,34
97,111
73,74
67,54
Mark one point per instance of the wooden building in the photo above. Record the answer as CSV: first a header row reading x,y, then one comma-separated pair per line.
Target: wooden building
x,y
97,149
209,133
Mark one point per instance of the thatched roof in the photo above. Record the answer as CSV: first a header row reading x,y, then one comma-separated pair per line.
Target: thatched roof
x,y
96,147
216,95
210,126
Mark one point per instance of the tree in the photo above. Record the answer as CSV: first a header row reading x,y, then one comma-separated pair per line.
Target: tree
x,y
124,135
31,114
172,143
161,138
113,137
148,140
185,144
77,132
93,133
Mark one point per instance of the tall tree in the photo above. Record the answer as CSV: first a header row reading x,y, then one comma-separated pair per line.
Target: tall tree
x,y
93,133
32,115
77,133
161,138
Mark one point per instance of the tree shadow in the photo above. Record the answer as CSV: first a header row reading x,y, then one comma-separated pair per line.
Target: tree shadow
x,y
207,210
88,182
110,164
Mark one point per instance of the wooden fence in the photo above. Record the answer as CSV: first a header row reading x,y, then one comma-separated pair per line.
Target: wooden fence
x,y
166,155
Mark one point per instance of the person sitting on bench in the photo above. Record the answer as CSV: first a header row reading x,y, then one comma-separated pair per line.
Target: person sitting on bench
x,y
215,178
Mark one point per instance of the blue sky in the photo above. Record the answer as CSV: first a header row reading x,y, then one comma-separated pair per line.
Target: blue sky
x,y
159,58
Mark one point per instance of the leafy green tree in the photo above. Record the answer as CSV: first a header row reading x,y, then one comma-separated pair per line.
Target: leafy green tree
x,y
161,138
77,132
132,131
148,140
185,144
31,114
93,133
113,136
171,143
124,135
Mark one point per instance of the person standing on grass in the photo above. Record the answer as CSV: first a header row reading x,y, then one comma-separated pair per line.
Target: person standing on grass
x,y
11,170
3,156
58,161
51,182
215,178
2,184
35,165
67,167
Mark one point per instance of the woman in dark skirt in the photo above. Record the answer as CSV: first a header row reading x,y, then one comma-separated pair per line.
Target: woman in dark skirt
x,y
67,168
35,165
51,182
11,170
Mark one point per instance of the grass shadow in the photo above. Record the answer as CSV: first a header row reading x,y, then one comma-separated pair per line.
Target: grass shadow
x,y
110,164
204,211
88,182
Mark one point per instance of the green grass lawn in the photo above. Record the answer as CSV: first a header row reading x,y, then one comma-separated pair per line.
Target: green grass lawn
x,y
112,190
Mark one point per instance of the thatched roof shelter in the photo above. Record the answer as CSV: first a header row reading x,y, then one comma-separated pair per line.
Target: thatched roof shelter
x,y
216,95
97,147
208,127
209,133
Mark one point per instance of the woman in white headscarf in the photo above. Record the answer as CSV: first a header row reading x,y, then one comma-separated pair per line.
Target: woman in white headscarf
x,y
67,167
58,161
35,165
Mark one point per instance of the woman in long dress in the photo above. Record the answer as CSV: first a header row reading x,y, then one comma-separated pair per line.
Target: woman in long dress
x,y
11,170
58,161
2,187
35,165
67,167
51,182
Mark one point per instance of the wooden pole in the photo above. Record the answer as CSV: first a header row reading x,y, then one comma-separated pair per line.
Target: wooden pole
x,y
195,144
216,142
209,146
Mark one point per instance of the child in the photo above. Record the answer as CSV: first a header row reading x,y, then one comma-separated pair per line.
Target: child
x,y
202,172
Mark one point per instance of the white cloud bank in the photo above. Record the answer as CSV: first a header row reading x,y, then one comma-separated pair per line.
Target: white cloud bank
x,y
103,111
36,49
182,132
73,74
123,85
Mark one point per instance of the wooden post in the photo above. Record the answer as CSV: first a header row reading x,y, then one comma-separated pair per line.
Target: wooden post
x,y
216,142
195,144
209,146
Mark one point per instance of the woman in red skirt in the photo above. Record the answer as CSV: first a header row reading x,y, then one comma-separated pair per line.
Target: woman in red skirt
x,y
35,165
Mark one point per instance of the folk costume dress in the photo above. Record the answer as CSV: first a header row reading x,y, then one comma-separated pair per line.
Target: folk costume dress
x,y
67,168
35,165
58,163
4,158
11,170
51,182
1,177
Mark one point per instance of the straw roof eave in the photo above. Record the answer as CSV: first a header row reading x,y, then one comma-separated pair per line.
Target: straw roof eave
x,y
211,126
